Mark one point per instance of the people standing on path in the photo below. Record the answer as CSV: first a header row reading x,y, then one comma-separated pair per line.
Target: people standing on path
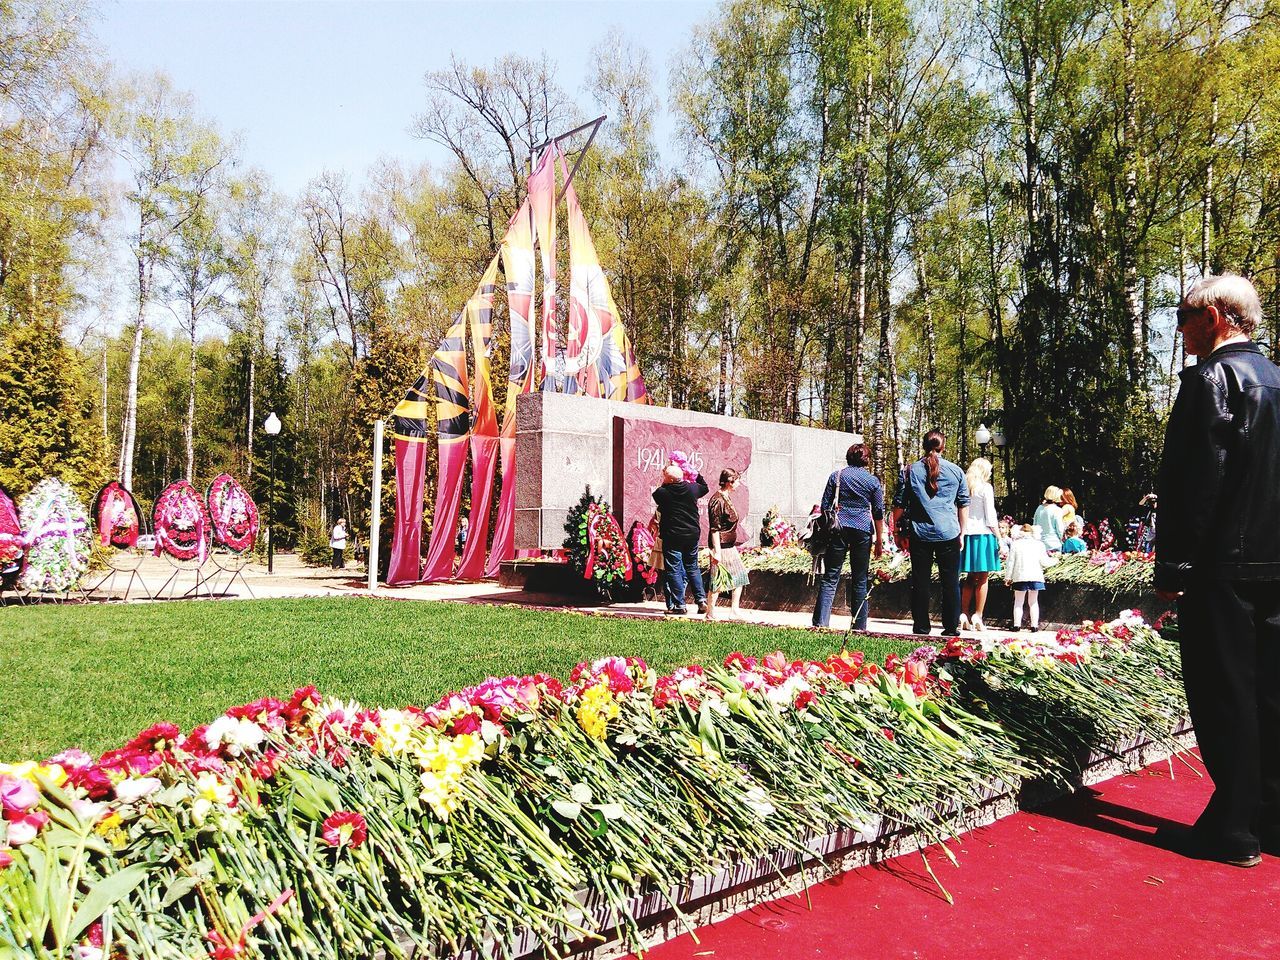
x,y
728,573
981,555
338,543
680,530
858,499
1218,553
1024,573
1049,519
935,501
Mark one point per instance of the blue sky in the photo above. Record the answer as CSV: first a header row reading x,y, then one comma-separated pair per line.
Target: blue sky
x,y
316,85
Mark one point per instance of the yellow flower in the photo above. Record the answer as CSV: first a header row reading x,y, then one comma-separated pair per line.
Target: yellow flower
x,y
394,734
598,707
32,771
108,823
213,790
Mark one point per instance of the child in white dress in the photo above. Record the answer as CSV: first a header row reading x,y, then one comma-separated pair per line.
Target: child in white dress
x,y
1024,572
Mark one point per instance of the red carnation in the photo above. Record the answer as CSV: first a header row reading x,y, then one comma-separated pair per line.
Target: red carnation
x,y
346,827
467,723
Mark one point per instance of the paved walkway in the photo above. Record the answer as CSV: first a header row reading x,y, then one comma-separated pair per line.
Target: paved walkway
x,y
1079,878
292,578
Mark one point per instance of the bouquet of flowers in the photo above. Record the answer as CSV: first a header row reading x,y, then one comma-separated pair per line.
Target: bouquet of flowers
x,y
58,540
776,532
234,514
597,548
11,538
181,523
641,542
117,516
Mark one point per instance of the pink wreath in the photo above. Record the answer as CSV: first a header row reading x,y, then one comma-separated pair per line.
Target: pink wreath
x,y
117,517
642,541
11,540
181,523
234,514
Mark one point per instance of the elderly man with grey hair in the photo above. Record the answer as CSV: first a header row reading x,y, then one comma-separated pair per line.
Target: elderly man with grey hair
x,y
1218,553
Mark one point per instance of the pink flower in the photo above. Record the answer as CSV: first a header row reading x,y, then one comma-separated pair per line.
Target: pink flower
x,y
24,827
345,827
17,795
5,859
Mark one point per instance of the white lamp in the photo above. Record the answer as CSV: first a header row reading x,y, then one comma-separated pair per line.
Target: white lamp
x,y
983,436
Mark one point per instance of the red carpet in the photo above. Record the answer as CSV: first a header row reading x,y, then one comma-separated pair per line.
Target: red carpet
x,y
1078,878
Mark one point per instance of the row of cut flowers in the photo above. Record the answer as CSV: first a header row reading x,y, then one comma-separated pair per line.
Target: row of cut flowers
x,y
1117,571
313,827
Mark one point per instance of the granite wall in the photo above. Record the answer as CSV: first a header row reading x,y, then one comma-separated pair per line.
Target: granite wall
x,y
564,443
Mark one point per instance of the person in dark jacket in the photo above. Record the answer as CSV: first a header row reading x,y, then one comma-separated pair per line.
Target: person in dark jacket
x,y
679,527
1218,554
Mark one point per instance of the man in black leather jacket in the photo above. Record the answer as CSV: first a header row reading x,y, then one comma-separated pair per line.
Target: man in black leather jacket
x,y
1218,553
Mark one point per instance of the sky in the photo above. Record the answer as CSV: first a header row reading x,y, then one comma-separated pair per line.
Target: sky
x,y
312,85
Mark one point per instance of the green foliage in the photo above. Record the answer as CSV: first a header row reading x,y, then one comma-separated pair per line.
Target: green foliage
x,y
47,425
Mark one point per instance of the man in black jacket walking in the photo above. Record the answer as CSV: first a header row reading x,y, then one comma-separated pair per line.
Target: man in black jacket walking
x,y
679,527
1218,553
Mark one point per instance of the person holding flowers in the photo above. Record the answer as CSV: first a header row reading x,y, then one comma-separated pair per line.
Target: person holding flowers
x,y
1217,553
981,555
680,529
728,574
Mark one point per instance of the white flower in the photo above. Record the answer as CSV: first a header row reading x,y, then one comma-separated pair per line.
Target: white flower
x,y
489,731
87,810
237,734
85,951
758,802
135,788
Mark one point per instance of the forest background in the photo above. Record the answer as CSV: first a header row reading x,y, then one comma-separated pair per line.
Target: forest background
x,y
886,216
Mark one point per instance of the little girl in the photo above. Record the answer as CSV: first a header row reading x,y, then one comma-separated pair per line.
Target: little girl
x,y
1024,571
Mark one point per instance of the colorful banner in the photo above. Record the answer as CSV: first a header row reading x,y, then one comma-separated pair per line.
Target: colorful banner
x,y
590,302
484,439
542,197
520,265
406,534
453,424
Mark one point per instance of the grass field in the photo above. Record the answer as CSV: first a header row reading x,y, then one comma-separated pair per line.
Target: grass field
x,y
92,676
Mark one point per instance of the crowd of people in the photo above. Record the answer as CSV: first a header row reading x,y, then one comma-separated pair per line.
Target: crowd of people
x,y
942,517
1218,556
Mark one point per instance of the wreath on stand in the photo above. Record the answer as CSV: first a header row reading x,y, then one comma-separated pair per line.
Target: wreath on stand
x,y
58,538
181,523
117,517
641,541
234,514
597,547
11,540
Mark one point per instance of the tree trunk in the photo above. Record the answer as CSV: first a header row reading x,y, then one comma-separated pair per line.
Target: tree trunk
x,y
189,433
854,367
131,394
1206,204
1129,239
253,370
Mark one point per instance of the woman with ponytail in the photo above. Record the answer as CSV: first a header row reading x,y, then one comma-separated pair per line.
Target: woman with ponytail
x,y
935,500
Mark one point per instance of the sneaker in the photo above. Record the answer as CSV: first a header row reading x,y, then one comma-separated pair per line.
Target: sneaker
x,y
677,612
964,622
702,607
1190,843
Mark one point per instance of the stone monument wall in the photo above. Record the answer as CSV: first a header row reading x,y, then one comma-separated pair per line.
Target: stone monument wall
x,y
565,443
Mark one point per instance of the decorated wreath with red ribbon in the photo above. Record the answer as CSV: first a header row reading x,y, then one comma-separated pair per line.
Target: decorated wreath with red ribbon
x,y
181,523
117,517
11,541
642,541
597,547
234,514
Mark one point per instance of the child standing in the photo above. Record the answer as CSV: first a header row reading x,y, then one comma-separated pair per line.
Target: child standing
x,y
1024,571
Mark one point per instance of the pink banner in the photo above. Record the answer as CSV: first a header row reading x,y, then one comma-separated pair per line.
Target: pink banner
x,y
442,550
406,538
484,456
504,530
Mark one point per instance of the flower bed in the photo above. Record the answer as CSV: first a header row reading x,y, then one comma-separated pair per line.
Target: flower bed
x,y
322,828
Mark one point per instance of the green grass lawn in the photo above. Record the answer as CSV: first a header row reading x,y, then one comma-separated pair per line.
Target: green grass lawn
x,y
92,676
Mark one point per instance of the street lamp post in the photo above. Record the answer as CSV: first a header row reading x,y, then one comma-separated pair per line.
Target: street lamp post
x,y
272,428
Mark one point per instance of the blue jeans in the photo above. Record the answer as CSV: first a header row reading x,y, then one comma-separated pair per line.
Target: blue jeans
x,y
681,566
857,544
